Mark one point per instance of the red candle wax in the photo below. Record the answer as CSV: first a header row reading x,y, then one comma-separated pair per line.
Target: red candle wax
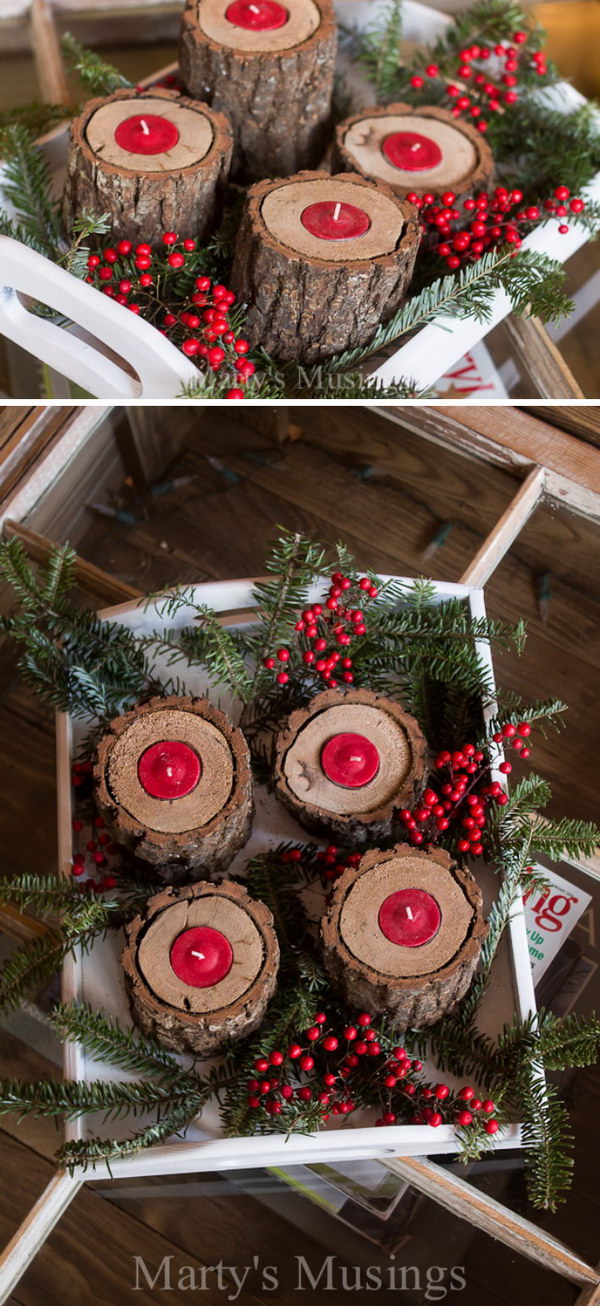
x,y
331,220
411,151
410,917
146,133
169,769
201,957
349,760
257,15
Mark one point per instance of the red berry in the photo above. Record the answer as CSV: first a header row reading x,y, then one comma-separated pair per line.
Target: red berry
x,y
261,1064
488,1106
505,768
435,1119
492,1127
294,1051
350,1033
442,1091
330,1043
282,678
306,1062
176,260
283,654
464,1118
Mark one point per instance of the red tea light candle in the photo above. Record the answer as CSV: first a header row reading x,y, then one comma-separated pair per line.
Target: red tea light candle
x,y
258,16
331,220
410,917
412,151
201,957
149,133
423,149
169,769
270,67
350,760
321,261
154,161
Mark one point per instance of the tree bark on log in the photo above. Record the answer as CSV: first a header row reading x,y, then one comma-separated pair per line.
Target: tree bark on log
x,y
305,308
279,102
414,985
170,840
467,165
351,818
183,196
180,1016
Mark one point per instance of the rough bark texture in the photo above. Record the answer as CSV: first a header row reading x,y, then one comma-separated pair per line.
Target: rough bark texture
x,y
182,1030
278,103
143,205
478,178
417,1000
168,857
306,309
356,830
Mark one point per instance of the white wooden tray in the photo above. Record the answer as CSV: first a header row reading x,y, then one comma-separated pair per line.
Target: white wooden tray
x,y
115,356
96,978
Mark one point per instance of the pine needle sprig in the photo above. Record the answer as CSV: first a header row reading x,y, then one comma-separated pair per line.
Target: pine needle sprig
x,y
532,281
79,1155
27,187
70,1099
97,76
107,1041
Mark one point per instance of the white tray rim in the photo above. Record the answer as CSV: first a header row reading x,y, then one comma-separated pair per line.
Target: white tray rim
x,y
273,1149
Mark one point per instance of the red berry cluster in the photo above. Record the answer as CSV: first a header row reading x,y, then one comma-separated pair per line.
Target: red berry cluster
x,y
93,856
336,621
337,1070
485,222
331,861
464,794
162,286
472,89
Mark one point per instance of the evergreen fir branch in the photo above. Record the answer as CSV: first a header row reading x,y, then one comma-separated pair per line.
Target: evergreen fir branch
x,y
98,77
545,713
216,649
47,894
547,1139
107,1041
83,1153
565,1041
10,227
532,281
295,563
72,1098
35,118
381,50
85,226
565,838
29,969
27,188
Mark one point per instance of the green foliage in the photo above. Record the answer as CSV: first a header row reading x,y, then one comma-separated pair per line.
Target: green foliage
x,y
35,118
98,77
82,1153
26,186
72,1098
532,281
106,1041
381,50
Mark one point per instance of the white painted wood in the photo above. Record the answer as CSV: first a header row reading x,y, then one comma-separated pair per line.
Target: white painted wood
x,y
36,1227
97,978
143,365
423,359
52,463
506,530
482,1211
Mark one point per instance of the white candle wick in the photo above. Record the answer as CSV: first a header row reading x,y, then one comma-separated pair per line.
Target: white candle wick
x,y
144,126
416,146
409,913
254,9
201,955
336,212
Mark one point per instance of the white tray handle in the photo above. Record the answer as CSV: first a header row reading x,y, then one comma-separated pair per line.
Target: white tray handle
x,y
160,369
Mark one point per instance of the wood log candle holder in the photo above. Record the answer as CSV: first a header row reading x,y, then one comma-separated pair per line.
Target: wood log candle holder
x,y
403,934
345,763
173,783
270,67
200,966
155,161
321,261
414,150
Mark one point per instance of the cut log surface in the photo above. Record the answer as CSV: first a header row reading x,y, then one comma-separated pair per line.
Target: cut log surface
x,y
414,985
204,827
466,162
276,86
352,817
310,298
179,189
181,1016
